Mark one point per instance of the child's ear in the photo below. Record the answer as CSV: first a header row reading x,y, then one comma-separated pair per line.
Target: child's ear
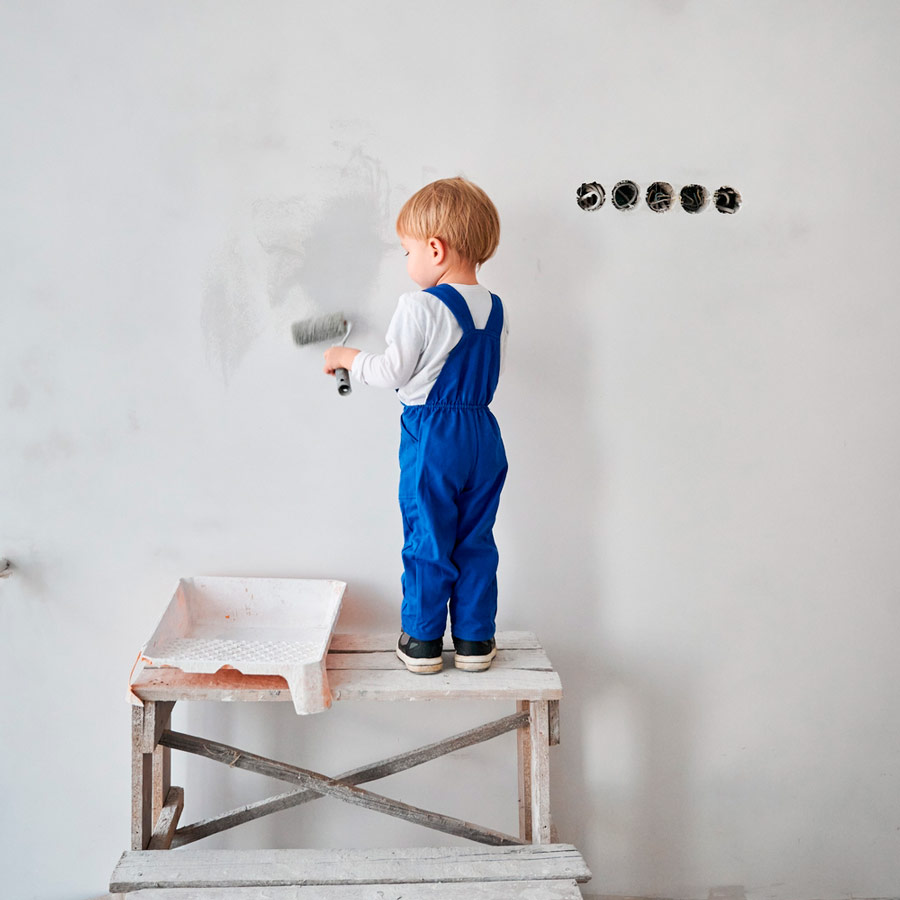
x,y
438,250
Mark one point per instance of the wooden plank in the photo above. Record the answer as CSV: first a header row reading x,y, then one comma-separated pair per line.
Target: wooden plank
x,y
225,686
168,820
156,720
387,659
240,759
139,870
523,760
450,684
363,643
399,763
141,783
553,712
539,734
485,890
161,778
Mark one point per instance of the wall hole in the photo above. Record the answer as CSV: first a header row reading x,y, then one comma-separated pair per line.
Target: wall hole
x,y
625,195
727,200
694,198
660,196
591,196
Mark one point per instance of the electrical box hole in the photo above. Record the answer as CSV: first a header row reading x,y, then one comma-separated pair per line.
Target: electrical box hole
x,y
660,196
727,200
625,195
694,198
590,196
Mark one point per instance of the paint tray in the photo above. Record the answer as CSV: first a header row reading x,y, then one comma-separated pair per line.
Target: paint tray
x,y
259,626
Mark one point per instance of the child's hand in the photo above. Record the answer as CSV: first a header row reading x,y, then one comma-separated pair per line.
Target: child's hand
x,y
339,358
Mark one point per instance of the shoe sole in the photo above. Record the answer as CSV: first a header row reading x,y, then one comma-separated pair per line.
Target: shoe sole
x,y
421,666
474,663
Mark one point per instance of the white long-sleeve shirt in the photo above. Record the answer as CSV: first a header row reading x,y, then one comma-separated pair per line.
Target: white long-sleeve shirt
x,y
419,339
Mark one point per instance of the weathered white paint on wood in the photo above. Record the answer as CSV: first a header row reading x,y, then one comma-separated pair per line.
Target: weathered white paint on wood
x,y
265,868
494,684
491,890
364,667
523,757
387,659
539,734
354,684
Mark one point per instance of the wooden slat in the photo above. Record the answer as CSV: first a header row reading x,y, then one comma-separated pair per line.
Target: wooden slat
x,y
138,870
165,683
539,734
523,759
490,890
532,658
141,783
252,762
450,684
156,721
354,684
168,820
363,643
162,778
553,712
399,763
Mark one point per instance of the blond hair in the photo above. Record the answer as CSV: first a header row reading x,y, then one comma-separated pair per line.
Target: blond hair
x,y
458,212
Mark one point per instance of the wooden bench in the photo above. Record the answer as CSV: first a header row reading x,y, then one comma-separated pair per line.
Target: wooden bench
x,y
360,667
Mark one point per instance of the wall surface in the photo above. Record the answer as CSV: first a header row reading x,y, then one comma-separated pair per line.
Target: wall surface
x,y
702,515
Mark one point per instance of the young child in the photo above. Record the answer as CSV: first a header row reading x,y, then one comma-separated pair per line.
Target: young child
x,y
445,347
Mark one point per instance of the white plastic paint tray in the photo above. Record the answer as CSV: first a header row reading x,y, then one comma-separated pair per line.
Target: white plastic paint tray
x,y
259,626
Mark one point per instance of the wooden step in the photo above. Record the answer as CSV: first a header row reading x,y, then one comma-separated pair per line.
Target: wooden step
x,y
471,890
195,869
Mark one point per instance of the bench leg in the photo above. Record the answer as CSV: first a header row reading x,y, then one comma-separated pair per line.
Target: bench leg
x,y
151,772
539,741
523,754
141,783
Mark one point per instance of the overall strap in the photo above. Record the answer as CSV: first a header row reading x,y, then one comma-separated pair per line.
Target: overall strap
x,y
495,319
453,300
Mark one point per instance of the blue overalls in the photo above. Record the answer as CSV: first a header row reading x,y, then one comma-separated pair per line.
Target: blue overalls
x,y
452,469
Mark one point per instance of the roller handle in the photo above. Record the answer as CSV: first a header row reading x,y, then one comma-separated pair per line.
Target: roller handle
x,y
342,376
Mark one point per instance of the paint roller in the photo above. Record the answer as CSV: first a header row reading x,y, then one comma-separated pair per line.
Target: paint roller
x,y
325,328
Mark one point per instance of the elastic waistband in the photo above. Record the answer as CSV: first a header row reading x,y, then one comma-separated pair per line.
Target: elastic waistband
x,y
445,404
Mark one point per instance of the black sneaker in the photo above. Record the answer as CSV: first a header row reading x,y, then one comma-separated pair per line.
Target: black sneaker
x,y
474,656
421,657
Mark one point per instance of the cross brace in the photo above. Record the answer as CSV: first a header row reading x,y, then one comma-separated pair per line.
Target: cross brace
x,y
343,787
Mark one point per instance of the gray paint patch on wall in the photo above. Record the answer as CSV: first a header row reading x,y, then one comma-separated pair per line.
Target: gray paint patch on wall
x,y
296,257
281,227
343,253
229,316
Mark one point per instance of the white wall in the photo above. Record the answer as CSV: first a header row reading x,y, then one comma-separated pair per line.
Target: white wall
x,y
702,516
